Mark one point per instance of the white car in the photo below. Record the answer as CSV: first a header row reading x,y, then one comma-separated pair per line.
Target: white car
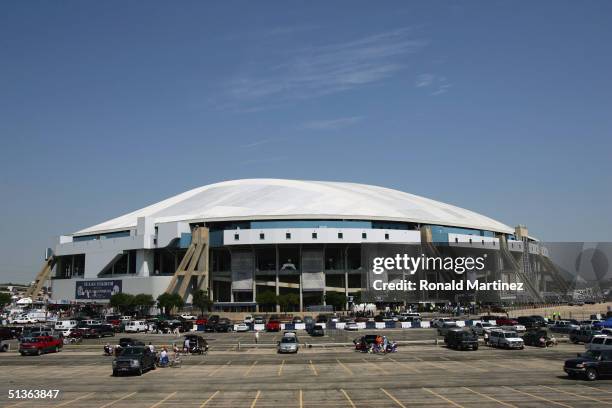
x,y
188,316
481,327
136,326
23,319
442,322
242,327
248,319
351,326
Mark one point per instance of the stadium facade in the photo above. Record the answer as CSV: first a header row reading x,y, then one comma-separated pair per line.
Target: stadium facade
x,y
236,239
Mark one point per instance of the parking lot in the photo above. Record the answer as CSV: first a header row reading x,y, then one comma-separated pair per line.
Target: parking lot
x,y
326,374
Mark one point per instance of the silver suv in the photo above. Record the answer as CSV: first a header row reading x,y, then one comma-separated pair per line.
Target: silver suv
x,y
288,344
505,339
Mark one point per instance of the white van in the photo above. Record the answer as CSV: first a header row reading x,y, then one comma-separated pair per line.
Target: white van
x,y
65,324
599,342
38,315
136,326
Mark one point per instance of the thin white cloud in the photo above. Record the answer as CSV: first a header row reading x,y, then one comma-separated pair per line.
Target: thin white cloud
x,y
260,142
316,71
332,124
424,80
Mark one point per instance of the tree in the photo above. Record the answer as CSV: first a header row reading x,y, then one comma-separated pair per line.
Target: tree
x,y
267,299
201,300
357,298
288,301
169,301
122,301
143,302
5,299
336,299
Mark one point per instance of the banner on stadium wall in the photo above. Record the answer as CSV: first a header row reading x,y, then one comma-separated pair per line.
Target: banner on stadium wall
x,y
97,289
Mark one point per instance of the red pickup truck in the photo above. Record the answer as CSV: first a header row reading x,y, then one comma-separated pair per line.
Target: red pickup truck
x,y
273,325
40,345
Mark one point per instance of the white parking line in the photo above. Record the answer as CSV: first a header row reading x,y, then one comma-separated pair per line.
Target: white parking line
x,y
444,398
209,399
577,395
393,398
348,398
158,403
491,398
538,397
117,400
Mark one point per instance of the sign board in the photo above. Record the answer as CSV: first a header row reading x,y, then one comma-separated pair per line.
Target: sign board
x,y
97,289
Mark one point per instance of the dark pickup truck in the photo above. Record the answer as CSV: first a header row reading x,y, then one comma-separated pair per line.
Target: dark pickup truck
x,y
582,335
461,339
592,365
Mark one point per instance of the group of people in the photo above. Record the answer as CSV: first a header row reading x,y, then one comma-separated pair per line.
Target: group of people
x,y
382,345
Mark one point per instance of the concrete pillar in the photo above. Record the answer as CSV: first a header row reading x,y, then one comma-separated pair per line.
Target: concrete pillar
x,y
144,262
346,292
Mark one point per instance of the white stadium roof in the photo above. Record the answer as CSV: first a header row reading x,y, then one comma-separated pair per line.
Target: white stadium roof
x,y
263,199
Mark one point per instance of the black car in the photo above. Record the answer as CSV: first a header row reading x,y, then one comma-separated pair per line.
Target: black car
x,y
592,365
529,322
461,339
317,330
223,325
98,331
538,338
540,319
134,360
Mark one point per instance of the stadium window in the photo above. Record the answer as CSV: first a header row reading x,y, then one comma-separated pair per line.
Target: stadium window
x,y
314,235
236,237
364,235
288,235
387,237
340,235
262,235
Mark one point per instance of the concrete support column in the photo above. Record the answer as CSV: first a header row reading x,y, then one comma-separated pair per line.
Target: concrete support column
x,y
346,292
144,262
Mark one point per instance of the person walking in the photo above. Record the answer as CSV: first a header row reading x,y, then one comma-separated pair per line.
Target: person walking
x,y
256,336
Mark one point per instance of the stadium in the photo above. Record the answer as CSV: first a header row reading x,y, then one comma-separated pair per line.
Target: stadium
x,y
238,239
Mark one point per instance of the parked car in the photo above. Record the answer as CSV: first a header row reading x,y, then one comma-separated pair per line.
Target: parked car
x,y
273,325
65,324
489,318
136,326
322,318
599,342
259,320
317,330
248,319
288,343
188,316
529,322
480,327
127,342
134,359
540,319
563,326
604,324
582,335
443,321
519,328
8,333
538,338
39,345
461,339
201,320
592,365
351,326
445,326
4,345
297,319
224,325
22,319
242,327
506,339
98,331
506,321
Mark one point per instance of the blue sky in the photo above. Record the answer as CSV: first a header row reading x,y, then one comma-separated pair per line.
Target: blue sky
x,y
500,107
